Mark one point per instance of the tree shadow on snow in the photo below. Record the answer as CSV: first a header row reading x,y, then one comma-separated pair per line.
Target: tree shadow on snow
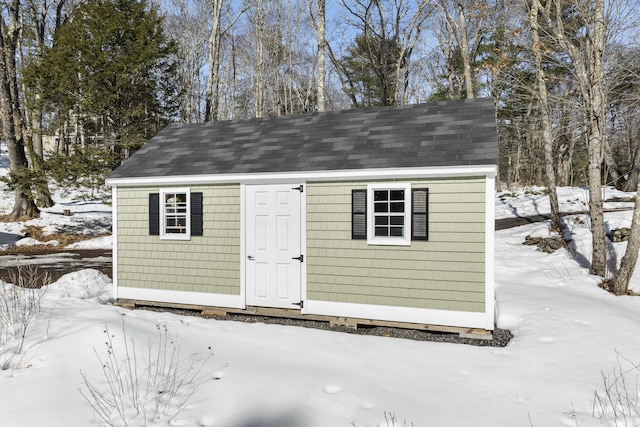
x,y
279,420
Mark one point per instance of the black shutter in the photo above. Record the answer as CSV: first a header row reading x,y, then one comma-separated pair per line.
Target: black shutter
x,y
196,214
420,214
359,214
154,214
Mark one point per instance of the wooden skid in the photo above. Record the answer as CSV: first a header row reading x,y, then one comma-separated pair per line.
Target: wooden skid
x,y
350,322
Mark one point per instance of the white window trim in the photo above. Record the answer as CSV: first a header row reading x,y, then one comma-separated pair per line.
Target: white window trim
x,y
163,212
389,241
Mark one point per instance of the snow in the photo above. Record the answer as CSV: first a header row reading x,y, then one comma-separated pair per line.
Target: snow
x,y
568,335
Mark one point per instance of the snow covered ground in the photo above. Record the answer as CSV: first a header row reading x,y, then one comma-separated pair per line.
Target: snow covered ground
x,y
569,335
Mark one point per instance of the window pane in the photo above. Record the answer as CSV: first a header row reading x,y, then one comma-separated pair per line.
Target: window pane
x,y
397,194
397,220
381,231
397,206
175,210
397,231
382,220
380,195
381,207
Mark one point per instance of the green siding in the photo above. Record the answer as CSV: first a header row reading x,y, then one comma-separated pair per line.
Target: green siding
x,y
446,272
208,263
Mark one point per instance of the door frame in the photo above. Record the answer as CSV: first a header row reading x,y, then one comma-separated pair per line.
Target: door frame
x,y
303,236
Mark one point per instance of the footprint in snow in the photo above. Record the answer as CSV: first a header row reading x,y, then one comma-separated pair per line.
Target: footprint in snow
x,y
332,389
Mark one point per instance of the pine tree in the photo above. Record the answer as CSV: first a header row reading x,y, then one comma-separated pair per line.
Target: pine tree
x,y
370,71
110,72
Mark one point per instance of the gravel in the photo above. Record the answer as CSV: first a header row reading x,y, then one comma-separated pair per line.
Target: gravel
x,y
500,337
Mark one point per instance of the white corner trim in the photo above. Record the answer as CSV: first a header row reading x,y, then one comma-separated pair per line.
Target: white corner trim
x,y
332,175
114,238
182,297
465,319
243,245
490,236
303,246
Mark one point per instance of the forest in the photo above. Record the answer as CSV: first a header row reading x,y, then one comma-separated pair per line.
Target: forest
x,y
101,77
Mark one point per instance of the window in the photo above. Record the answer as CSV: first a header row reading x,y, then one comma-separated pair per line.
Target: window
x,y
175,214
388,218
391,214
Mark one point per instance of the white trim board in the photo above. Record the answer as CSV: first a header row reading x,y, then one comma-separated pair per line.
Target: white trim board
x,y
280,177
182,297
114,245
464,319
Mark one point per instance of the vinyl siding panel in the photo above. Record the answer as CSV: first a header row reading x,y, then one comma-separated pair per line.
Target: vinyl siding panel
x,y
208,263
446,272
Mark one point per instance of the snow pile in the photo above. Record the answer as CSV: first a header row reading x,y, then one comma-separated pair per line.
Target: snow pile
x,y
29,241
86,284
105,242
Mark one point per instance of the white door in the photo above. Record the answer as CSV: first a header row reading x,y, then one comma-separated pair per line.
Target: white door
x,y
273,246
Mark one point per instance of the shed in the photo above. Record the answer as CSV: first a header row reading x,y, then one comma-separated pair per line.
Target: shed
x,y
380,215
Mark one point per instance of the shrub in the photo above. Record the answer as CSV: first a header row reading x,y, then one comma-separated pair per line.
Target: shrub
x,y
145,384
618,401
20,303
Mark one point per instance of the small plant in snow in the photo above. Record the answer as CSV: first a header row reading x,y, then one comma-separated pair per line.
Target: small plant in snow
x,y
618,402
20,303
142,384
390,420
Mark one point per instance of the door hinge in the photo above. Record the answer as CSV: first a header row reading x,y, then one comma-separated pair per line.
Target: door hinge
x,y
300,188
299,304
299,258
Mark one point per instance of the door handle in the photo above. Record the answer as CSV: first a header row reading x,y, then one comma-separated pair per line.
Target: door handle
x,y
250,258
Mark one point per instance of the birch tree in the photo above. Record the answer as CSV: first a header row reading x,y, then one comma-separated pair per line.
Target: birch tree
x,y
318,20
188,24
586,49
218,31
543,106
467,35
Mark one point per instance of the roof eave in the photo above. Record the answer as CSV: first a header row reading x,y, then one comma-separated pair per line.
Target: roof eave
x,y
330,175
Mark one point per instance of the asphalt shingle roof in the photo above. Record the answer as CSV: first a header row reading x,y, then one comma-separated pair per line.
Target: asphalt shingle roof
x,y
451,133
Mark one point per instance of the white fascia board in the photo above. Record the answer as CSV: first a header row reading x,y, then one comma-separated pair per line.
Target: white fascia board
x,y
333,175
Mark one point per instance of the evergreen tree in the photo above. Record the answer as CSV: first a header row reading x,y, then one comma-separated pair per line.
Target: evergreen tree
x,y
109,73
370,71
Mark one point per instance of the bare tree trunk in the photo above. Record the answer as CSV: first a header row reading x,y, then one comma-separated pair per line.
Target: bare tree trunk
x,y
33,113
633,179
612,167
464,50
596,114
543,105
321,56
213,82
10,113
565,149
628,263
587,60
